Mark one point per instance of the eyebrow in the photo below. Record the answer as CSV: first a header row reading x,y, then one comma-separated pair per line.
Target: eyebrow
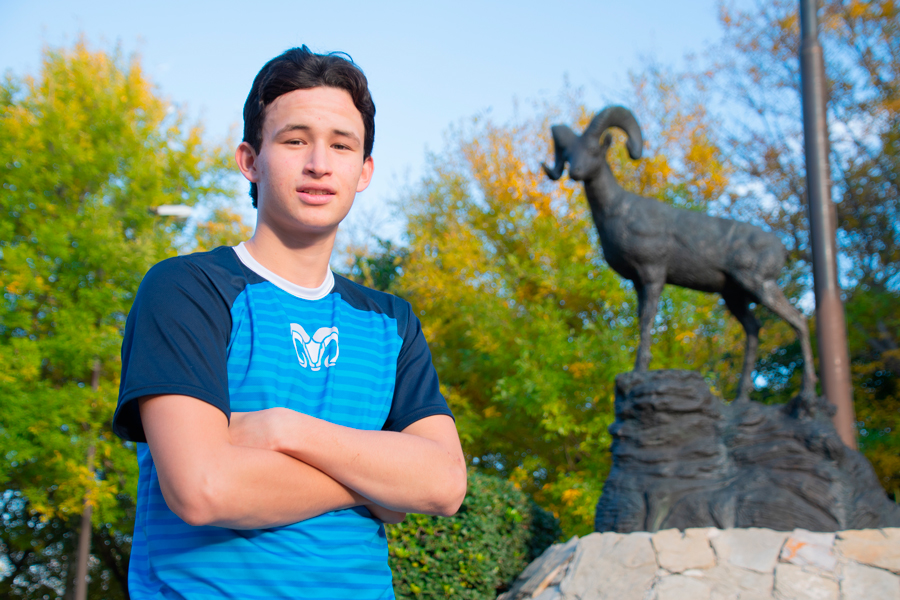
x,y
299,127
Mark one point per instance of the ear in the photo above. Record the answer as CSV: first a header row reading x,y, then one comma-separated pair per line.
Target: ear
x,y
605,144
245,156
366,176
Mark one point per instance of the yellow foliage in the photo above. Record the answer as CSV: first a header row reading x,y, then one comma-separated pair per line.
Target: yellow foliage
x,y
569,496
580,370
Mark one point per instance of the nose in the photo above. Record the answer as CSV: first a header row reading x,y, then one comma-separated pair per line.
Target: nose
x,y
317,162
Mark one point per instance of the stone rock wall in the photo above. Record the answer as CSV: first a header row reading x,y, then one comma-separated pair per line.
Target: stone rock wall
x,y
717,564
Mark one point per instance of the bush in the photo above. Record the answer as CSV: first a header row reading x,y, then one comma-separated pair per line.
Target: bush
x,y
475,554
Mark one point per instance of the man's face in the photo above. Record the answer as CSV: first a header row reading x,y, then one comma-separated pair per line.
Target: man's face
x,y
310,164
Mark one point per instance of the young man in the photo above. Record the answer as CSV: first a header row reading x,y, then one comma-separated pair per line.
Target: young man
x,y
287,412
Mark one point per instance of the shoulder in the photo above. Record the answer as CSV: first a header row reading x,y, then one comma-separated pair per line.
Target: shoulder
x,y
366,299
177,332
190,266
218,272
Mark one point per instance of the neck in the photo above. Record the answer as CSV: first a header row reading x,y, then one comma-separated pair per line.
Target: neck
x,y
303,262
601,191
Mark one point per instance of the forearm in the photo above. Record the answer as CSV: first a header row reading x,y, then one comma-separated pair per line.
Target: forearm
x,y
207,480
249,488
398,470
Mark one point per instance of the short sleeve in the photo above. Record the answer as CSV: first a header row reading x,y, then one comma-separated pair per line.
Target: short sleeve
x,y
175,342
417,392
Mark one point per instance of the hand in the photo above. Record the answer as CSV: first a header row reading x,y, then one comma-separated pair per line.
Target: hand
x,y
385,515
259,429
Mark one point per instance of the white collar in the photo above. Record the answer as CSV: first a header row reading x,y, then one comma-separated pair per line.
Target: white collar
x,y
316,293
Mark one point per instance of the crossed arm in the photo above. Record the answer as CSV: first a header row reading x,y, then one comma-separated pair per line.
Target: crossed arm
x,y
278,466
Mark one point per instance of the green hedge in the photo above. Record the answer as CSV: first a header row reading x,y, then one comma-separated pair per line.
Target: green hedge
x,y
475,554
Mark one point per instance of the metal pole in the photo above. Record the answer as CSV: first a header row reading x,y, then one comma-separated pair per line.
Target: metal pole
x,y
834,360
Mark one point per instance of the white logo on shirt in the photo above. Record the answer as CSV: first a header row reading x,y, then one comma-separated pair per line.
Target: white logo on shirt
x,y
313,353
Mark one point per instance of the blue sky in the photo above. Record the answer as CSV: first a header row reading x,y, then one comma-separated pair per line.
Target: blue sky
x,y
430,65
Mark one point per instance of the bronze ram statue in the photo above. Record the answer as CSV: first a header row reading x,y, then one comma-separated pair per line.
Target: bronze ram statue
x,y
652,244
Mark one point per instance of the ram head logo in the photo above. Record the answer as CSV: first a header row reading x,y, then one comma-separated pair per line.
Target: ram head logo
x,y
311,351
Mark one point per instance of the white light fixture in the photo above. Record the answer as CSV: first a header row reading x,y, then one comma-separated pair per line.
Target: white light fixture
x,y
182,211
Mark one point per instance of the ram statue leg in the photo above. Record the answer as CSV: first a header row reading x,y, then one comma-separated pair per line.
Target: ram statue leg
x,y
773,298
738,302
648,303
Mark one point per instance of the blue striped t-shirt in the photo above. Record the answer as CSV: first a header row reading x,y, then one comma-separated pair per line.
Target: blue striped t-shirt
x,y
220,327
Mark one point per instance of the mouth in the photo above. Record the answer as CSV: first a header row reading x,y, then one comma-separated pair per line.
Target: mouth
x,y
316,195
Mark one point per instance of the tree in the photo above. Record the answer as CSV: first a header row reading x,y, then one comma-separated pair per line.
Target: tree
x,y
758,71
873,331
379,268
759,67
527,324
86,149
224,227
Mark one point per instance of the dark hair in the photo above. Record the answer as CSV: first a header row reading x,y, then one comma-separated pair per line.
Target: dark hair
x,y
301,69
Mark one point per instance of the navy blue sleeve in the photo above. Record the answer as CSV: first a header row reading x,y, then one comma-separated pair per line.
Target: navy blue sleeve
x,y
417,393
176,339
